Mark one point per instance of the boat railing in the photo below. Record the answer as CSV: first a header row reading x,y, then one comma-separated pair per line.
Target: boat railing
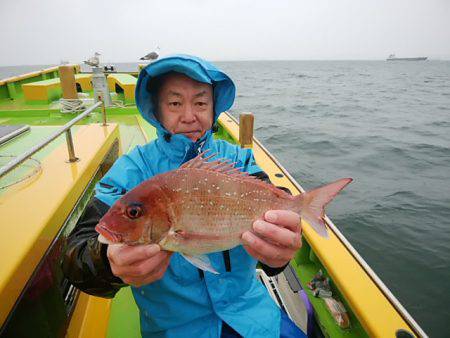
x,y
64,129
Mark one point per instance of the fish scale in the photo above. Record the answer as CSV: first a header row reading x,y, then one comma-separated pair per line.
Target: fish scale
x,y
217,209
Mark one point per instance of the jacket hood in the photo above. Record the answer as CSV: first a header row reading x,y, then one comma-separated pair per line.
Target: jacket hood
x,y
193,67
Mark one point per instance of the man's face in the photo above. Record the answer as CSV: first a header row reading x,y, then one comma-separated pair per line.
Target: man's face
x,y
186,106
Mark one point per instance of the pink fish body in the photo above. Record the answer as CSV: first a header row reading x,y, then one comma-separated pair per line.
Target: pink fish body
x,y
204,207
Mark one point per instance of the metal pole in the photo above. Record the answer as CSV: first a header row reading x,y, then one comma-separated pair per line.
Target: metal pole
x,y
103,110
12,164
70,148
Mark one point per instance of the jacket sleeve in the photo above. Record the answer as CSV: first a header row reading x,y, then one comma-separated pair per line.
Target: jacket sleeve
x,y
85,263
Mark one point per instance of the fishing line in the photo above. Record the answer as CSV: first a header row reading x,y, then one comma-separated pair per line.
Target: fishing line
x,y
32,164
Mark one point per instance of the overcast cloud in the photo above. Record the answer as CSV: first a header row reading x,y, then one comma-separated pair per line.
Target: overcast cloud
x,y
46,31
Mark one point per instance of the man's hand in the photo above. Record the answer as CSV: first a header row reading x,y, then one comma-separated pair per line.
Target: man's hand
x,y
275,239
138,265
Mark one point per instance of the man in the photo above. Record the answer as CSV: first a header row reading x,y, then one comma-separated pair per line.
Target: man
x,y
182,96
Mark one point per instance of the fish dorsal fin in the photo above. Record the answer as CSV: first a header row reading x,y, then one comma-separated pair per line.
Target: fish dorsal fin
x,y
225,166
221,165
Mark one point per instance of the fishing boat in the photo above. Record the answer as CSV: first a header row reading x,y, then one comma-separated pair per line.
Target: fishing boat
x,y
392,57
47,179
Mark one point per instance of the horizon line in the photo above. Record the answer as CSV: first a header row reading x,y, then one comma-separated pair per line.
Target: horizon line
x,y
230,60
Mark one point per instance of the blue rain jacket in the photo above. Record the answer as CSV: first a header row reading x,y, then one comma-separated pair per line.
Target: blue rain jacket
x,y
183,303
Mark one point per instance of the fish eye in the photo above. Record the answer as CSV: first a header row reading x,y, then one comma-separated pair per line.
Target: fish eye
x,y
134,211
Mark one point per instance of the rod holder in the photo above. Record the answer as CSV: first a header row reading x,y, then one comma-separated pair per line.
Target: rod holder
x,y
68,84
246,122
103,110
70,148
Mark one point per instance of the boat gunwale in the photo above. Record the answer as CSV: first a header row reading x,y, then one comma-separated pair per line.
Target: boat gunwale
x,y
35,73
57,211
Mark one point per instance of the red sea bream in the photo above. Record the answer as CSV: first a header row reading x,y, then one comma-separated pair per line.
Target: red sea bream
x,y
204,207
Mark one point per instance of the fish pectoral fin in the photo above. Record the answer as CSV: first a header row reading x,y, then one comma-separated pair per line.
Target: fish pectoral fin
x,y
200,261
102,239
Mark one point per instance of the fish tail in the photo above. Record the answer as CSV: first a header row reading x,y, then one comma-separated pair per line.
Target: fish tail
x,y
312,204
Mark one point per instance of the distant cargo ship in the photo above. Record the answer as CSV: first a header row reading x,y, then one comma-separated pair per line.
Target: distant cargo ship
x,y
393,58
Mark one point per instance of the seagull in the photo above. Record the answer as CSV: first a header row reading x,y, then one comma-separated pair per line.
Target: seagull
x,y
150,56
93,61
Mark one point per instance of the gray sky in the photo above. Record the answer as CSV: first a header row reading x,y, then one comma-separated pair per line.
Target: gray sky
x,y
46,31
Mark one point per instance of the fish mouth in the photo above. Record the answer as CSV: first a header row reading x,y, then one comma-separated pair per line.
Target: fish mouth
x,y
107,236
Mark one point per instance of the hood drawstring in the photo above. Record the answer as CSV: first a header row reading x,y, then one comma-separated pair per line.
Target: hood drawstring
x,y
193,151
200,147
190,153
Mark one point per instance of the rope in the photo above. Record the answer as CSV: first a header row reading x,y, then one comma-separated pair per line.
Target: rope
x,y
118,103
72,105
121,104
77,105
